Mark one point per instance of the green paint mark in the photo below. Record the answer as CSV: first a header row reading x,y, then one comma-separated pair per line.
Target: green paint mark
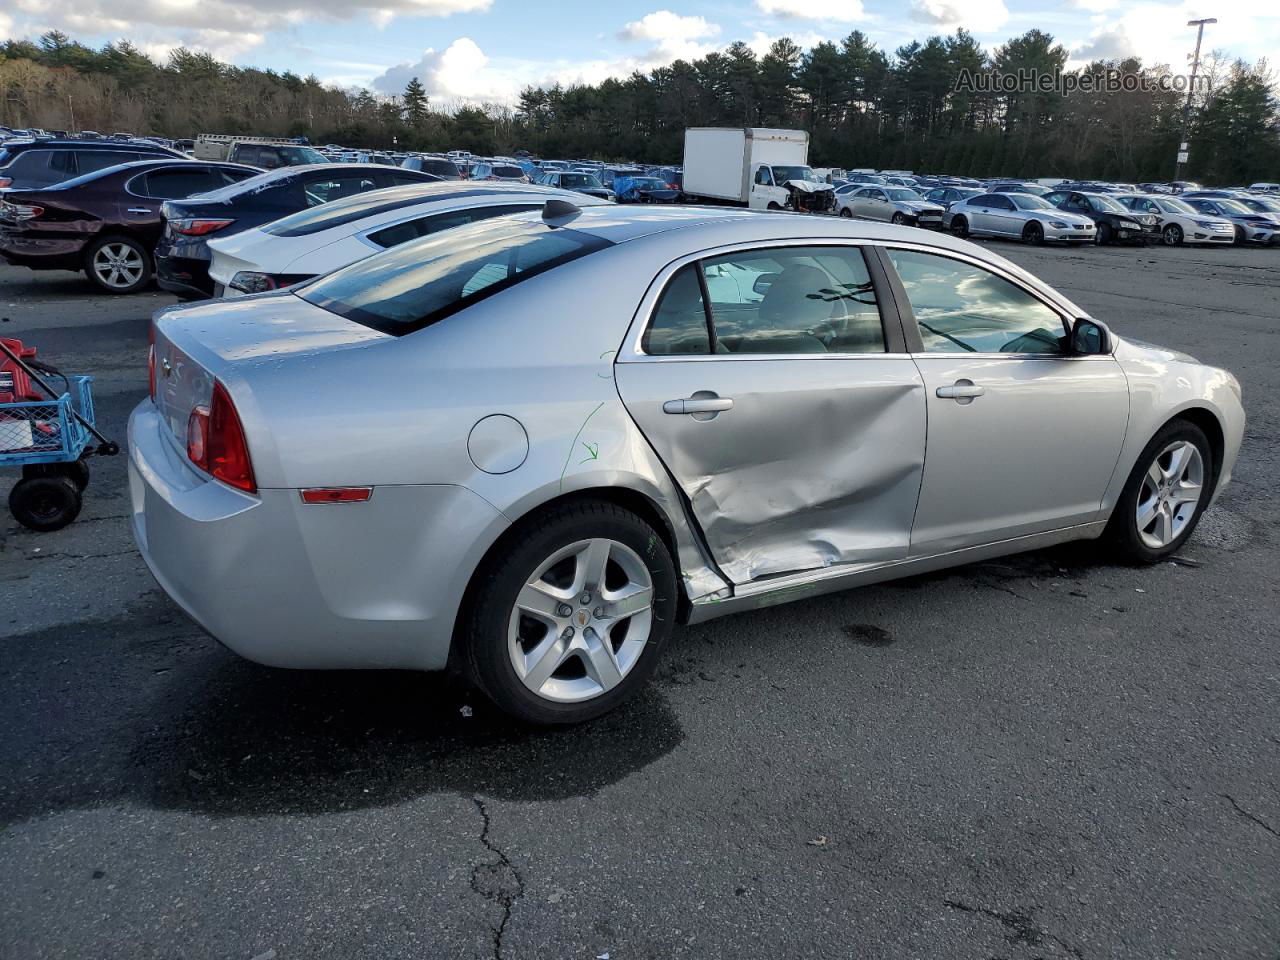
x,y
573,446
593,451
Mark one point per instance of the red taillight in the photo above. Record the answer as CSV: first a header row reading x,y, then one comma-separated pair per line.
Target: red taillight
x,y
5,181
336,494
216,442
198,227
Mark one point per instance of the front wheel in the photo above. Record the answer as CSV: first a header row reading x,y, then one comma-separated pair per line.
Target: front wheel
x,y
846,213
1172,235
1034,233
45,504
1167,491
1104,233
960,227
571,617
901,219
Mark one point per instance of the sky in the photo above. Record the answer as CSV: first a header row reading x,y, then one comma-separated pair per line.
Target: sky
x,y
476,51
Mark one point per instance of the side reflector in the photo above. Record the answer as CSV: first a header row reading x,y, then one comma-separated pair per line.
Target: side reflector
x,y
336,494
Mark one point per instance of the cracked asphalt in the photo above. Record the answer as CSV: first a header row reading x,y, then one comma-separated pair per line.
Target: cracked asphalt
x,y
1044,756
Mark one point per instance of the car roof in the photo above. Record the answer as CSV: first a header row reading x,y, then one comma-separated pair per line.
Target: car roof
x,y
49,143
138,166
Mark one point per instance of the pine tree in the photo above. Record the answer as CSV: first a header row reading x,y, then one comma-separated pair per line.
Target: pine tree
x,y
415,103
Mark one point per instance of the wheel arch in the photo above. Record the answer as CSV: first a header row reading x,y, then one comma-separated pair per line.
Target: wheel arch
x,y
635,501
1211,426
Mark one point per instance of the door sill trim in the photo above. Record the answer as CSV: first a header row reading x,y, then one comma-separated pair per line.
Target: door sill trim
x,y
814,583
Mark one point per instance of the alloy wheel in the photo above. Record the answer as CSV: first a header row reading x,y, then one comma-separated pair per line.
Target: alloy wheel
x,y
118,265
1172,235
581,621
1170,494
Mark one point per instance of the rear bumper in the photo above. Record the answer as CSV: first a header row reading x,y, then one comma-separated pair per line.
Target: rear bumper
x,y
188,277
333,586
26,249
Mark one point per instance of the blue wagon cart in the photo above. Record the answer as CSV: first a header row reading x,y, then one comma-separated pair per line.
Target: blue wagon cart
x,y
49,440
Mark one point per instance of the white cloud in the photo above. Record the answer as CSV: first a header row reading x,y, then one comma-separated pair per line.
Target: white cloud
x,y
673,37
978,16
842,11
225,28
1158,32
760,41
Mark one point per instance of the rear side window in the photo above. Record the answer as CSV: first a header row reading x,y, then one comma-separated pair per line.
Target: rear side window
x,y
420,283
244,153
400,233
785,300
441,168
174,184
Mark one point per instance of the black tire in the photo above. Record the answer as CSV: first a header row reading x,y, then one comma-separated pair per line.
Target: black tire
x,y
1241,240
128,251
846,213
773,206
77,471
1172,235
45,503
1122,529
960,227
1105,233
505,574
1033,232
901,219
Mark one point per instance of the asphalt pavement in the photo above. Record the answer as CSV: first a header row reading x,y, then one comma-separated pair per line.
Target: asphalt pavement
x,y
1043,756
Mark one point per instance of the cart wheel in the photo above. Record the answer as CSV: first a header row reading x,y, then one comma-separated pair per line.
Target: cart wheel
x,y
77,471
45,503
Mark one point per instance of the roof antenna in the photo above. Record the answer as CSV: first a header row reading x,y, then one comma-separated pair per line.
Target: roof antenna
x,y
556,209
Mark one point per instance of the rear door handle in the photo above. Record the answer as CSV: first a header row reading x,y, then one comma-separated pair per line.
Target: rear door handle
x,y
698,405
962,390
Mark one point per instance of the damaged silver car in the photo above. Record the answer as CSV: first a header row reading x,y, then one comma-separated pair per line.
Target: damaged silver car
x,y
527,448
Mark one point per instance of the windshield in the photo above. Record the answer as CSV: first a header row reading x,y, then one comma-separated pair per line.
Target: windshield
x,y
1025,201
902,193
1170,205
302,155
580,181
421,282
783,174
648,183
1106,204
1233,206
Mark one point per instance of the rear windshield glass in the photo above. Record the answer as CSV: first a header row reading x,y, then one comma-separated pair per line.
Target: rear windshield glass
x,y
420,283
336,213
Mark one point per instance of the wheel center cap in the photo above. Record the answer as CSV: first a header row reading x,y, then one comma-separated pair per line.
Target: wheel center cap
x,y
582,617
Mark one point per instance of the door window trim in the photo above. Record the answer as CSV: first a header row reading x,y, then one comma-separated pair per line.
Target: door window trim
x,y
915,344
891,323
363,235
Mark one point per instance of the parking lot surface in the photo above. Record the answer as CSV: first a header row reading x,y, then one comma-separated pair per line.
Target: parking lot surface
x,y
1043,756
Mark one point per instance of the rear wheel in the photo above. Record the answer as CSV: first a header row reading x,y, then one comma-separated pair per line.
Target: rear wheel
x,y
45,503
118,264
571,617
1033,233
1166,493
960,227
1172,235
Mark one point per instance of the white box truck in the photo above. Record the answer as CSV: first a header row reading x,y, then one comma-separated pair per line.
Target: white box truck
x,y
756,167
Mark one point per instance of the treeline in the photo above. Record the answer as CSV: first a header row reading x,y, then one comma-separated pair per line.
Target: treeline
x,y
862,106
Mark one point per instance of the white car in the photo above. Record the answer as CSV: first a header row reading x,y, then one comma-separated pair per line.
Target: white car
x,y
1179,222
321,239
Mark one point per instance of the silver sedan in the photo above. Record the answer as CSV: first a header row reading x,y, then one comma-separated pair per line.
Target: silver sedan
x,y
527,447
891,204
1019,216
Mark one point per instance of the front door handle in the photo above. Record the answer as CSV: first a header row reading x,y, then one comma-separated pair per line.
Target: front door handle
x,y
698,405
962,391
139,210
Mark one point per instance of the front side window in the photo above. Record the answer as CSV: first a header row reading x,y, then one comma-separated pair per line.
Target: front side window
x,y
424,281
324,189
786,300
962,308
764,177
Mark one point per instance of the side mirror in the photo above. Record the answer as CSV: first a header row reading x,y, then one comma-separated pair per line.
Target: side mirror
x,y
1089,338
764,282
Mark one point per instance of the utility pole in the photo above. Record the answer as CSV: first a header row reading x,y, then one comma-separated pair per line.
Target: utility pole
x,y
1191,90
